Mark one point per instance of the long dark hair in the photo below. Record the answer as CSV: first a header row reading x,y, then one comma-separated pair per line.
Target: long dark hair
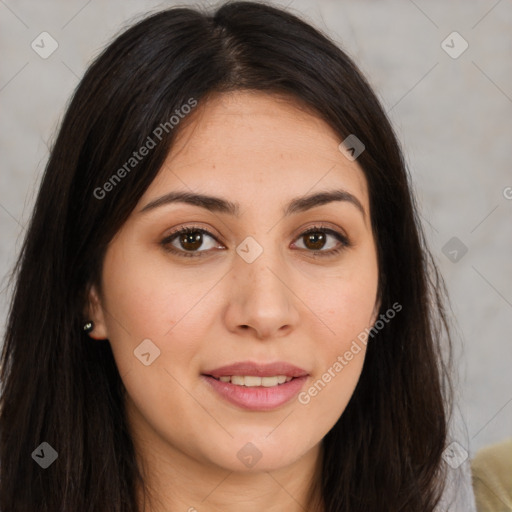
x,y
61,387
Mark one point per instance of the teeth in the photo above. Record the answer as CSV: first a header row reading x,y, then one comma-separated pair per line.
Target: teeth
x,y
251,381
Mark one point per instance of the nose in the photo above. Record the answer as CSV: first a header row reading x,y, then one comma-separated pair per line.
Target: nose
x,y
261,301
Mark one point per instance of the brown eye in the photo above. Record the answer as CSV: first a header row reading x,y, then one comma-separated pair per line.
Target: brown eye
x,y
191,241
314,240
188,241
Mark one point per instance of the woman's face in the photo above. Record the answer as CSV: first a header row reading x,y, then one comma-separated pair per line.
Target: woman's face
x,y
251,289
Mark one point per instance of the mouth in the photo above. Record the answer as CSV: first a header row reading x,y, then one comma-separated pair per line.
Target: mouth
x,y
257,387
252,381
252,369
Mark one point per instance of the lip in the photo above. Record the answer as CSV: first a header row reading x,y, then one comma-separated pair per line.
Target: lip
x,y
257,398
258,369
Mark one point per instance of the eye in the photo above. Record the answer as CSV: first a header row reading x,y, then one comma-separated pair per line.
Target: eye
x,y
189,240
316,238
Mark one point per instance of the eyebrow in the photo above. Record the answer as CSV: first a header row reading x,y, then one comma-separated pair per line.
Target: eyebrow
x,y
218,204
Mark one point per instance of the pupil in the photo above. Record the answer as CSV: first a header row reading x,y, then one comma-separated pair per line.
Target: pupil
x,y
317,239
191,238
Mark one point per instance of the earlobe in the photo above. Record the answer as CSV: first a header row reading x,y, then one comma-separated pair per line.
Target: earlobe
x,y
94,313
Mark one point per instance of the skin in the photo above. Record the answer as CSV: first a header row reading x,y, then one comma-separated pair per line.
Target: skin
x,y
287,305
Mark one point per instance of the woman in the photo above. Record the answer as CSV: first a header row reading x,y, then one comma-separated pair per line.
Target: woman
x,y
224,299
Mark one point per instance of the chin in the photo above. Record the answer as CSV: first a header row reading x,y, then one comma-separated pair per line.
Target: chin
x,y
256,456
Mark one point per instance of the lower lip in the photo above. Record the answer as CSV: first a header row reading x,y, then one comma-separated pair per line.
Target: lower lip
x,y
257,398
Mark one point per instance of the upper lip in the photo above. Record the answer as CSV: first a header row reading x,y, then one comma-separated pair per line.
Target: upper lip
x,y
258,369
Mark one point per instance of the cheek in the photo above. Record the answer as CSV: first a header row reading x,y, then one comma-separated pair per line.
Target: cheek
x,y
345,304
147,295
346,299
350,307
339,350
144,300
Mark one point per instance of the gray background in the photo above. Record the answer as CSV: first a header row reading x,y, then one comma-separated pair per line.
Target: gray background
x,y
452,115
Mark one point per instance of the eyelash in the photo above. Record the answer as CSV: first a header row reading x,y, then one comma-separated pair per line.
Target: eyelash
x,y
166,242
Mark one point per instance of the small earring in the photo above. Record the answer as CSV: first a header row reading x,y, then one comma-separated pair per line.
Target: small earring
x,y
88,327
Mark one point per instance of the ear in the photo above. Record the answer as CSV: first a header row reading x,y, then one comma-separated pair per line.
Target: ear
x,y
94,311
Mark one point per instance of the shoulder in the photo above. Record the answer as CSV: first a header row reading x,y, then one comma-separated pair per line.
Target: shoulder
x,y
492,477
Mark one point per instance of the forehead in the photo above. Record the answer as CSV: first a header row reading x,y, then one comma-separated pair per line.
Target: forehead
x,y
249,143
